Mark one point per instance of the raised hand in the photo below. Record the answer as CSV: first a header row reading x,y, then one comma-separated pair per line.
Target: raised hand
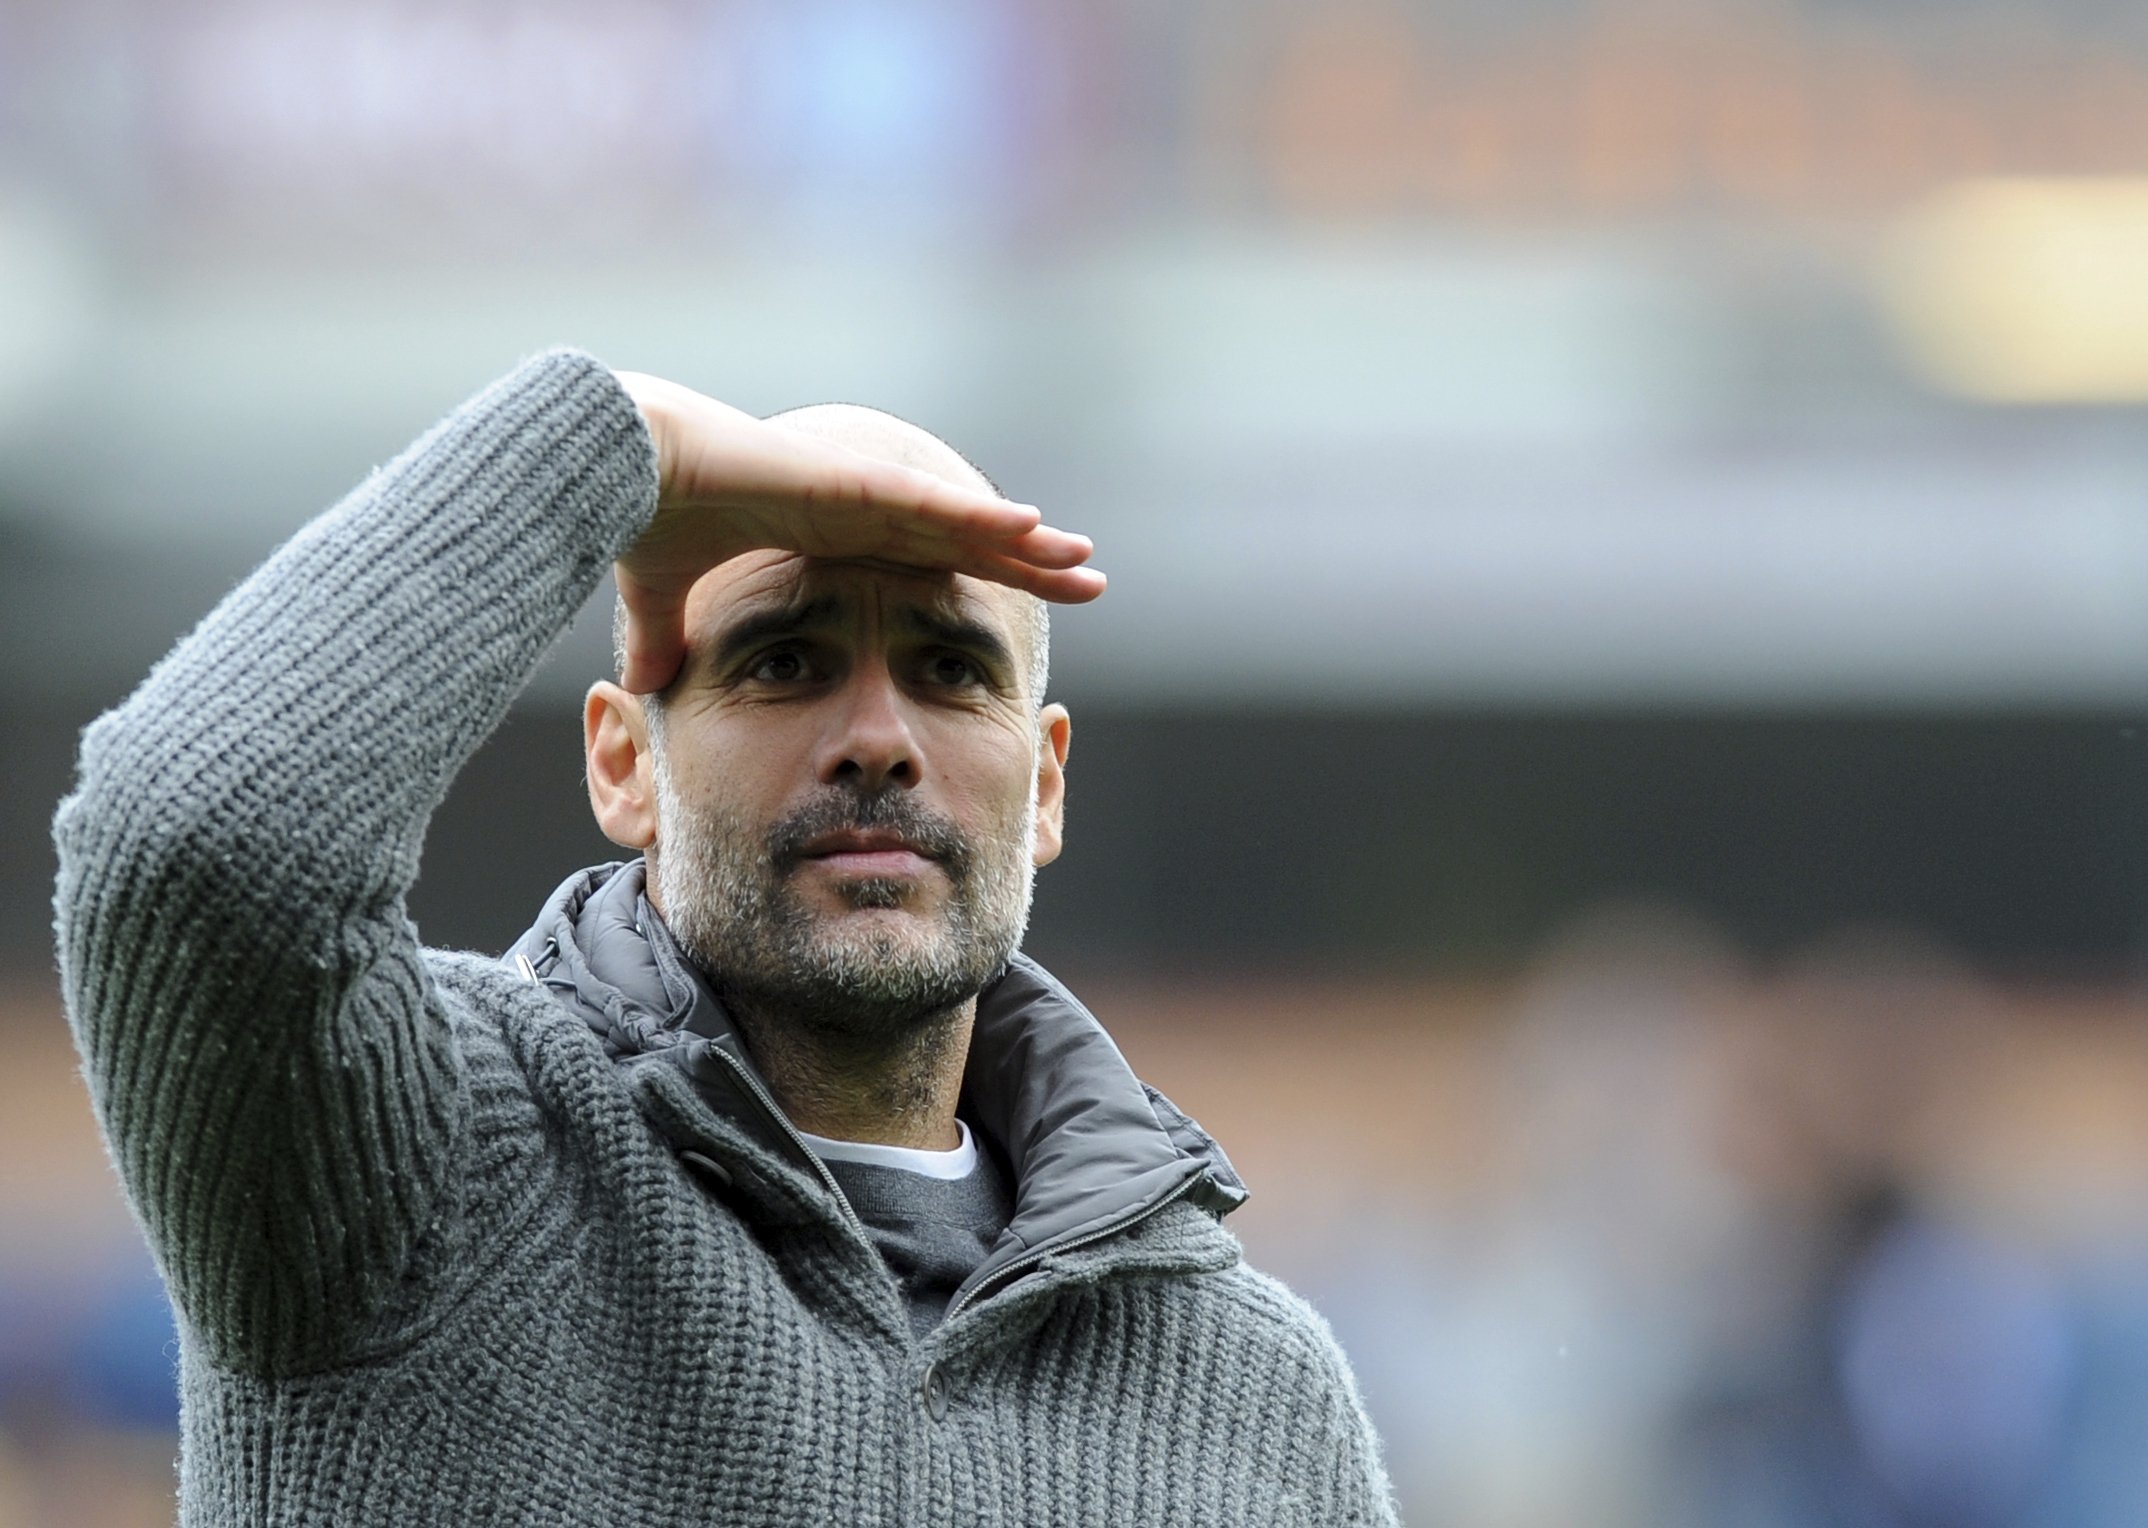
x,y
730,483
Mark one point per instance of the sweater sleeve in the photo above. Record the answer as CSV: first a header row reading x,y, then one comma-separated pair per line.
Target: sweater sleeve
x,y
274,1072
1352,1487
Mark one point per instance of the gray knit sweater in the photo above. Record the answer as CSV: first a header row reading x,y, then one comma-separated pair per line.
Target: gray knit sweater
x,y
442,1255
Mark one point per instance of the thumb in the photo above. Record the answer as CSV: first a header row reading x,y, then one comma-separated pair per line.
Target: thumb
x,y
655,636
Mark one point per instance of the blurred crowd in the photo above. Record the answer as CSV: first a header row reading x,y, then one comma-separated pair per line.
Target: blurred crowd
x,y
1656,1238
1648,1236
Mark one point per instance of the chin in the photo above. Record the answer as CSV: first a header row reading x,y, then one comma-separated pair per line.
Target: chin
x,y
906,926
877,895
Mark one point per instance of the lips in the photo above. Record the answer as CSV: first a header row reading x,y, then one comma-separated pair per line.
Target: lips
x,y
864,841
868,852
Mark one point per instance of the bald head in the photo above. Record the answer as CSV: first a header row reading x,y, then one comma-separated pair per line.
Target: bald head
x,y
884,437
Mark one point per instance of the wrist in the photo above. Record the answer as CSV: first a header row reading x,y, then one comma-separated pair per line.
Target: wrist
x,y
657,403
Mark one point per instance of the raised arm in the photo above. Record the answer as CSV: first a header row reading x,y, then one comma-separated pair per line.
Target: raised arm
x,y
274,1075
274,1072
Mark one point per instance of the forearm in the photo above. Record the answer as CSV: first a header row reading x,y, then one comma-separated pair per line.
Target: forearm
x,y
244,828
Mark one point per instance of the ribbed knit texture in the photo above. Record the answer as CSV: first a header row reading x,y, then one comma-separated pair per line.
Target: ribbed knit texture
x,y
433,1262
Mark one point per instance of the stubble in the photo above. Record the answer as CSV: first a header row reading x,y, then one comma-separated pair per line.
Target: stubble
x,y
881,973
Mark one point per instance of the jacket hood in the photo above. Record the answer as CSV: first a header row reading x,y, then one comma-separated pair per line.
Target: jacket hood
x,y
1090,1144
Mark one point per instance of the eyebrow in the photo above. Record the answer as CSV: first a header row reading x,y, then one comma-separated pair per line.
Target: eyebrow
x,y
961,631
751,631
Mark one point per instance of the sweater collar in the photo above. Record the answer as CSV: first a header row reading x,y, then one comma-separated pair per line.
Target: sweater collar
x,y
1092,1146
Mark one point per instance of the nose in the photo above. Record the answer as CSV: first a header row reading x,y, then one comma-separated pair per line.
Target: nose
x,y
869,744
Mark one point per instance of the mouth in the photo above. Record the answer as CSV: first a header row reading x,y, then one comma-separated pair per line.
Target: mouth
x,y
875,852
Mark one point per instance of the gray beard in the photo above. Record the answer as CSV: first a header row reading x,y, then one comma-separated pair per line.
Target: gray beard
x,y
729,901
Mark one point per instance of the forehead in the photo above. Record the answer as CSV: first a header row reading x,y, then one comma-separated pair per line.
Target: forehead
x,y
768,581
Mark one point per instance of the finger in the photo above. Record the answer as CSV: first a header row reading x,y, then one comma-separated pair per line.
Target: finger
x,y
655,638
931,545
970,513
1044,547
1061,586
1049,547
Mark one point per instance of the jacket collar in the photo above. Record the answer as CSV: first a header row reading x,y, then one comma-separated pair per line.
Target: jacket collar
x,y
1092,1146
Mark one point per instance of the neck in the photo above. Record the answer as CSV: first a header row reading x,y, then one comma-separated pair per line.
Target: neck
x,y
899,1092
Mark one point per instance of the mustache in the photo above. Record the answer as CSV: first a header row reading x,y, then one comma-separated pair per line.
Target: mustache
x,y
889,811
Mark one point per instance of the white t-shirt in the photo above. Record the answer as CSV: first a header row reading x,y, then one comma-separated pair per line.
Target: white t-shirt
x,y
957,1161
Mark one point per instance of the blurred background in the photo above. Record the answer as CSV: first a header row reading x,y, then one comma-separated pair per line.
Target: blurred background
x,y
1612,771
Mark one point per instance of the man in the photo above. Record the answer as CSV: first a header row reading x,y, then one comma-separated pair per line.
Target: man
x,y
764,1182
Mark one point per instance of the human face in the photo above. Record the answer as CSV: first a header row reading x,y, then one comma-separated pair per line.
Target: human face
x,y
849,790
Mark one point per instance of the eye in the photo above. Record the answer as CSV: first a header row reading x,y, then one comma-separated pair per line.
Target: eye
x,y
785,665
952,670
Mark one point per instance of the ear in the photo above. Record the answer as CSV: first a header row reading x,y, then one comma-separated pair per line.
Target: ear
x,y
1054,729
615,747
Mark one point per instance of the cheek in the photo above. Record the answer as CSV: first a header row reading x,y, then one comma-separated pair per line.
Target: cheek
x,y
996,783
743,770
